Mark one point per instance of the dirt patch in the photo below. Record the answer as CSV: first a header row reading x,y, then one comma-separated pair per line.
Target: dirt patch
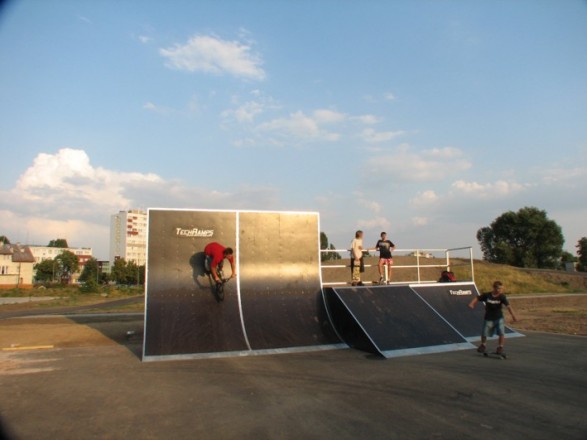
x,y
58,332
554,314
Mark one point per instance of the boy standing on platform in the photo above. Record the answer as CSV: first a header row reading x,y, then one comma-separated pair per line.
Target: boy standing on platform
x,y
385,248
357,258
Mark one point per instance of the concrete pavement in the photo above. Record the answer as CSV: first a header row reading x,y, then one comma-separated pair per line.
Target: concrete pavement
x,y
106,392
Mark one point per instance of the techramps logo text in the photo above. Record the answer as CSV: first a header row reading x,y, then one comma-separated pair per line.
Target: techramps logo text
x,y
460,292
194,233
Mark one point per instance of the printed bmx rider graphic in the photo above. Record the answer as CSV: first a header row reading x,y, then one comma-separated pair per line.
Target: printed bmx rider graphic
x,y
215,255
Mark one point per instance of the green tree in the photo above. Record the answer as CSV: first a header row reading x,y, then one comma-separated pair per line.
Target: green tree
x,y
135,274
132,273
327,256
582,253
58,243
90,271
4,239
118,272
526,238
68,264
45,271
104,278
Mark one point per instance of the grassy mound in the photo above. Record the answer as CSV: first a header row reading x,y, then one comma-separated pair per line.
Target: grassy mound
x,y
516,280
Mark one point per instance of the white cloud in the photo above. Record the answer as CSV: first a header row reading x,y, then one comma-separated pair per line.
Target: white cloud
x,y
425,198
191,107
162,110
389,96
210,54
445,153
372,136
29,229
498,189
406,165
379,223
299,126
371,205
367,119
322,124
419,221
563,175
64,195
247,112
69,176
324,116
144,39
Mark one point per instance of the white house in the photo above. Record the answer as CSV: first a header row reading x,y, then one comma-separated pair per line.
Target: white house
x,y
16,266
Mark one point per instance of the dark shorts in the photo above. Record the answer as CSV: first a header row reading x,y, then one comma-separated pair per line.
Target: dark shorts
x,y
491,327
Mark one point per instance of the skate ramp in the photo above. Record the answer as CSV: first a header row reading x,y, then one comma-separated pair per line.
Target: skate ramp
x,y
279,261
451,301
390,321
274,305
400,320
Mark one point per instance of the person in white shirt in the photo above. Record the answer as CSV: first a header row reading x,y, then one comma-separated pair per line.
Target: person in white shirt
x,y
356,257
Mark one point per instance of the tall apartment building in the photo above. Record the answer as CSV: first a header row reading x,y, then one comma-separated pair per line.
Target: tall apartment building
x,y
128,236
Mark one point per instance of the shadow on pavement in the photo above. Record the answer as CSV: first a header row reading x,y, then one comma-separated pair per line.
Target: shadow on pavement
x,y
124,329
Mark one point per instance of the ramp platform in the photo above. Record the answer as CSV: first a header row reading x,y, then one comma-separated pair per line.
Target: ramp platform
x,y
391,321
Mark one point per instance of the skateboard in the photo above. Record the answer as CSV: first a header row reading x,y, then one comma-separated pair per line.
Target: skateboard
x,y
495,354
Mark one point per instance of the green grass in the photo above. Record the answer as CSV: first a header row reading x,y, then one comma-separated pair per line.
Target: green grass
x,y
73,292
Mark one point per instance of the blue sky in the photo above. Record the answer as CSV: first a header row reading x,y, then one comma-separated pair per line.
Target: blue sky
x,y
426,119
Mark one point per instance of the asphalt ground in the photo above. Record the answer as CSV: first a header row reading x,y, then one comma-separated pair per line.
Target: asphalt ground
x,y
98,388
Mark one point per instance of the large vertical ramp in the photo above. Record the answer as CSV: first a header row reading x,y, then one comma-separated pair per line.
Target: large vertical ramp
x,y
451,300
279,260
274,304
390,320
181,314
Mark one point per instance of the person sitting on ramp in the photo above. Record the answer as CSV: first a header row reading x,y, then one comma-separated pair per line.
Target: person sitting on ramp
x,y
494,320
215,255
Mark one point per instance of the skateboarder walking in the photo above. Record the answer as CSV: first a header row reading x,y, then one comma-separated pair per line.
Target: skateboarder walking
x,y
494,320
215,255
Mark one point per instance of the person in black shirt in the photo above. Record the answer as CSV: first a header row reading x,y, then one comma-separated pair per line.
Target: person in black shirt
x,y
493,320
385,248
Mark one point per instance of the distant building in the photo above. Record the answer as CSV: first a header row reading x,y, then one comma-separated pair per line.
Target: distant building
x,y
128,236
42,253
16,266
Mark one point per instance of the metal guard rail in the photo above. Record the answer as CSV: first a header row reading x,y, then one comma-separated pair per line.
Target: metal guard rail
x,y
418,253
